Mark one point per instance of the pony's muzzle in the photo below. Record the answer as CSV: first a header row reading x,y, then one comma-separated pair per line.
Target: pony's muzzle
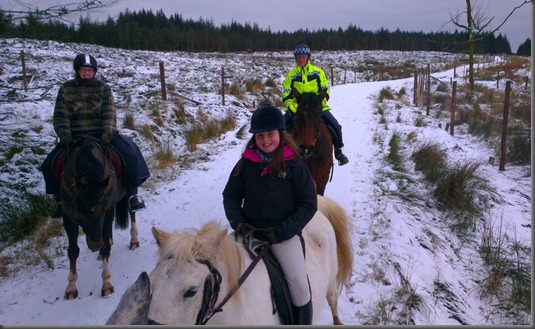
x,y
94,245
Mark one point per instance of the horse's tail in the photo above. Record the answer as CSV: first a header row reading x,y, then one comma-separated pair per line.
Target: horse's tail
x,y
121,214
342,228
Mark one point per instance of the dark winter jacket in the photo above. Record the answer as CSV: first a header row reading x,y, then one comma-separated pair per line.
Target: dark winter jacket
x,y
85,109
285,203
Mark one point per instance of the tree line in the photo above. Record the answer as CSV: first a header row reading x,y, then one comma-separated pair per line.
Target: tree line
x,y
146,30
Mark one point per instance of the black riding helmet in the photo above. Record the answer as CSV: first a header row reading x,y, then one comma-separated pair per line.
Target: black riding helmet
x,y
84,60
267,118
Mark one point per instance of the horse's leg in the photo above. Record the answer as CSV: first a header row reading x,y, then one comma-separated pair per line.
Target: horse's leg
x,y
332,300
134,242
73,251
107,288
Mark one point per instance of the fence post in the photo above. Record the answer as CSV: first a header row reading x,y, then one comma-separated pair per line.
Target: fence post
x,y
332,76
223,86
415,96
503,145
428,100
162,81
452,109
24,79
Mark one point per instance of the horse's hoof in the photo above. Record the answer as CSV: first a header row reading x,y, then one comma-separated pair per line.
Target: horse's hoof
x,y
134,245
71,295
337,322
107,292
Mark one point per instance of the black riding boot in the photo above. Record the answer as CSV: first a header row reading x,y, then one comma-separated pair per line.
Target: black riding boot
x,y
303,314
135,202
340,156
57,213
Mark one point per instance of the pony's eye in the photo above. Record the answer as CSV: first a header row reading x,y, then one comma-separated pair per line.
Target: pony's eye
x,y
190,292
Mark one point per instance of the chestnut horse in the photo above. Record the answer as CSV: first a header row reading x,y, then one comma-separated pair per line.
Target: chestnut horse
x,y
92,195
313,137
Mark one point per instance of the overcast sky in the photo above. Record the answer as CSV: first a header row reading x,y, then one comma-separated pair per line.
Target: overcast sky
x,y
290,15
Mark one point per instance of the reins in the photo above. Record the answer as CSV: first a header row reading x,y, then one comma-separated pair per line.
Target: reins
x,y
296,127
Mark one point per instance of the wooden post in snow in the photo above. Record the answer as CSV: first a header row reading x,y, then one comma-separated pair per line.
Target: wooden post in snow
x,y
415,91
452,108
162,81
24,79
332,77
223,86
503,145
428,96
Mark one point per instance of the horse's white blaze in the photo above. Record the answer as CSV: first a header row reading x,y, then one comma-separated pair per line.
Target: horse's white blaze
x,y
170,280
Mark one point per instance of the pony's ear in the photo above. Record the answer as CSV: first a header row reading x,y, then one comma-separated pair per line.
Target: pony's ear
x,y
323,94
208,241
296,94
159,235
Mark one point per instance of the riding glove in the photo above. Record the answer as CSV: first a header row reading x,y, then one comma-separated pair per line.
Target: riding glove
x,y
245,229
66,139
268,234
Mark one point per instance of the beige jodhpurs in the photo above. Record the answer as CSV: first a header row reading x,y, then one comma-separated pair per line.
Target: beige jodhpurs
x,y
289,253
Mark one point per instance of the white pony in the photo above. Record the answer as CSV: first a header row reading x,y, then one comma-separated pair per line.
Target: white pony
x,y
197,273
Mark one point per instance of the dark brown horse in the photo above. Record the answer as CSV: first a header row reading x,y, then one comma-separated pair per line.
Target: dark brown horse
x,y
312,135
92,195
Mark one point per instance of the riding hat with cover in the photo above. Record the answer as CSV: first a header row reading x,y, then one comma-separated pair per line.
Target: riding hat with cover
x,y
302,49
267,118
84,60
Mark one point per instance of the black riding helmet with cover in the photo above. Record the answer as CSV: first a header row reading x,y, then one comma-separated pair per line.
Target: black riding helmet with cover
x,y
84,60
267,118
302,49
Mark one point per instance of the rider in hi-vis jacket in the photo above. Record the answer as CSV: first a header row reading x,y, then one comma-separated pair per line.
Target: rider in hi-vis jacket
x,y
307,78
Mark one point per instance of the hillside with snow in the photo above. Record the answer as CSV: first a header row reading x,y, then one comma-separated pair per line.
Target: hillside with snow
x,y
410,266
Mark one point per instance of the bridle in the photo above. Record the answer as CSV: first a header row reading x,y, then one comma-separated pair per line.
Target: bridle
x,y
212,285
305,149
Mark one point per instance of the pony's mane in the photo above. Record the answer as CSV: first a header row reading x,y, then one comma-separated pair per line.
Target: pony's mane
x,y
212,243
87,164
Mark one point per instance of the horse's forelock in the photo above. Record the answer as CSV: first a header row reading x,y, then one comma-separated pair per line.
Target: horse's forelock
x,y
89,163
178,246
309,101
189,245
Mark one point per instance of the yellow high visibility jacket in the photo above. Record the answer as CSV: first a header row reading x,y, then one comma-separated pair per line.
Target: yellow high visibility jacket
x,y
306,79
